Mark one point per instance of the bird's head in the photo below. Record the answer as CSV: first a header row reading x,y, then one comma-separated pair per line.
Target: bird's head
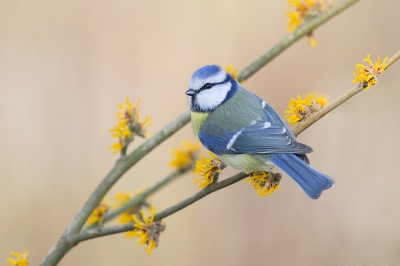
x,y
209,87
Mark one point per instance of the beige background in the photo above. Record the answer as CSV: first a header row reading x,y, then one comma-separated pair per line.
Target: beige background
x,y
64,65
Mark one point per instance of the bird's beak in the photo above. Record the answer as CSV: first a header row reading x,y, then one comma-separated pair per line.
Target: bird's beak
x,y
190,92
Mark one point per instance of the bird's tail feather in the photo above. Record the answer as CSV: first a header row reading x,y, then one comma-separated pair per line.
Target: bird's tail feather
x,y
309,179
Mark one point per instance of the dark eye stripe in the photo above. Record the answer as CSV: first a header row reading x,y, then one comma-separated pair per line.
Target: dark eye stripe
x,y
210,85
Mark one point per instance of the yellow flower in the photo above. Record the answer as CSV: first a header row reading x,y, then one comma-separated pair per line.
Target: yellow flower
x,y
22,259
121,131
98,214
231,70
126,217
117,147
299,109
369,73
295,19
208,168
304,10
183,157
148,231
129,125
264,183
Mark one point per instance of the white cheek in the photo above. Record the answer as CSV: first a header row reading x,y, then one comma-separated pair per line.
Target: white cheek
x,y
211,98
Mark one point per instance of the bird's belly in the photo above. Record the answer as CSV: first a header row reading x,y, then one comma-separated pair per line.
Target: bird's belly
x,y
247,162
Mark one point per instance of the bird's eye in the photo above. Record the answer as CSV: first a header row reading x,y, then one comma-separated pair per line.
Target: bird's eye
x,y
208,86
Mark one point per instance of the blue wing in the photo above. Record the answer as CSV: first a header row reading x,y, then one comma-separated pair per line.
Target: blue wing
x,y
259,137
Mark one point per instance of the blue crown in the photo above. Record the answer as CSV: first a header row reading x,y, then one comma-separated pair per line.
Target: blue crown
x,y
206,71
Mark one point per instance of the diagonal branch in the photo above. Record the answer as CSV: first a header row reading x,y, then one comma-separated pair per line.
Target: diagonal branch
x,y
140,198
122,166
64,244
103,231
314,117
291,38
125,163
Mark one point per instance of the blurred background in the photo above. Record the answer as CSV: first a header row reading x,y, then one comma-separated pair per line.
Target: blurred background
x,y
65,65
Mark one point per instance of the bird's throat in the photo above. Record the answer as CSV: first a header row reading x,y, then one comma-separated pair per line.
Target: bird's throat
x,y
197,120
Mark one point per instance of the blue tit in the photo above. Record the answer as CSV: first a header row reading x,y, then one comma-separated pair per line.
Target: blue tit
x,y
244,132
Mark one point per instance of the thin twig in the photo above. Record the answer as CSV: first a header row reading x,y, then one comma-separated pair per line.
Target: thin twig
x,y
140,198
103,231
392,59
291,38
314,117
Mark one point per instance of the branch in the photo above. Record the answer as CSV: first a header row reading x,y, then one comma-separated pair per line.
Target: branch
x,y
122,166
125,163
139,199
314,117
103,231
128,161
304,29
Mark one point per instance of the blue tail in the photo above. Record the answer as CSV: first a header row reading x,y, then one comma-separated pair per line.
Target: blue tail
x,y
309,179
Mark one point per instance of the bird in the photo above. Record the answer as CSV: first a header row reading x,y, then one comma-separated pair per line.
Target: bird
x,y
245,132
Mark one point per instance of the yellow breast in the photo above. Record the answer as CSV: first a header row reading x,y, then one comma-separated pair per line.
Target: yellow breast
x,y
197,121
